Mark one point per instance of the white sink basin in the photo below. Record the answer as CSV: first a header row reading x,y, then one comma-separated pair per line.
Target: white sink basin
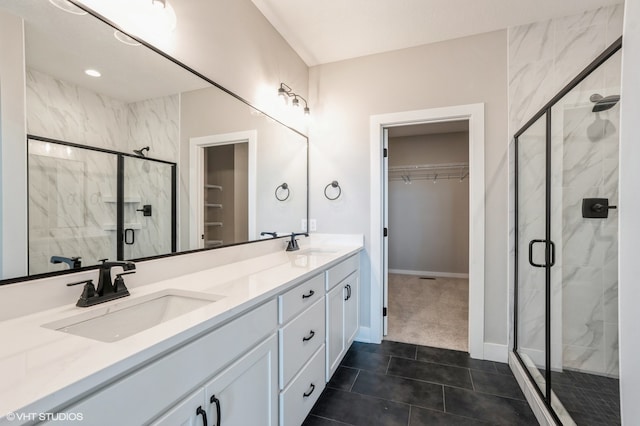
x,y
115,321
317,252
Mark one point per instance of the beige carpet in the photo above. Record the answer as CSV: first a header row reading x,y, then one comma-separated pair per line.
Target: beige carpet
x,y
429,312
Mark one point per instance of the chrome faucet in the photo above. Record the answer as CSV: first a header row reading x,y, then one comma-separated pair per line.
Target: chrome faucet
x,y
107,289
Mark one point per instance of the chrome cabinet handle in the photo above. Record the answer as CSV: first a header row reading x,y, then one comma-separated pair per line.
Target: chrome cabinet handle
x,y
311,334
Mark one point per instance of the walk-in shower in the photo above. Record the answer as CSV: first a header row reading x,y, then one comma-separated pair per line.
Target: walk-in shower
x,y
87,204
566,240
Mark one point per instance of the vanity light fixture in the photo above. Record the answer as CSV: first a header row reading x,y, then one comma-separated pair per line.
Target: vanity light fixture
x,y
285,92
92,73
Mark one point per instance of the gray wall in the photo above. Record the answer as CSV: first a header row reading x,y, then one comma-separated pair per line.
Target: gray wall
x,y
429,222
345,94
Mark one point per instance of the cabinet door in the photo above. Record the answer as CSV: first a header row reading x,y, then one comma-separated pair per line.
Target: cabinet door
x,y
246,393
188,412
351,309
335,328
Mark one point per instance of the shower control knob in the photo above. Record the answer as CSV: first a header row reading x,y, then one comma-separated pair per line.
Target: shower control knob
x,y
596,208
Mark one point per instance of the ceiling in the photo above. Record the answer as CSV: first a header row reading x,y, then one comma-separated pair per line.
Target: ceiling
x,y
63,45
333,30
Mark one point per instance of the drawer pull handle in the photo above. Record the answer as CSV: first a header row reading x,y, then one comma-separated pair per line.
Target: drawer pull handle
x,y
311,389
309,337
216,401
201,412
306,296
348,288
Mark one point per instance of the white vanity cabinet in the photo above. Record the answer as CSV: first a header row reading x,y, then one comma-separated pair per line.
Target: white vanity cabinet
x,y
342,310
267,366
302,349
230,357
243,394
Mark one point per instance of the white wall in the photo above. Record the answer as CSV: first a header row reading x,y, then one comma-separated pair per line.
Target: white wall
x,y
13,151
629,226
345,94
429,221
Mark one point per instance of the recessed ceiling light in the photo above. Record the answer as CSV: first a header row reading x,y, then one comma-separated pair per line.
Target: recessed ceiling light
x,y
92,73
67,7
123,38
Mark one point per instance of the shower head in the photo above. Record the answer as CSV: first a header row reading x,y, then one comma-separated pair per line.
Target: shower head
x,y
141,151
603,103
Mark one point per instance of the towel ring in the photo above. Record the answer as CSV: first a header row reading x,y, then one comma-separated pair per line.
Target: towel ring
x,y
284,187
333,184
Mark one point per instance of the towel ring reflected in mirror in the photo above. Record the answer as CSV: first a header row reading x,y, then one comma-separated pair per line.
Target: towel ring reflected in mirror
x,y
333,184
279,192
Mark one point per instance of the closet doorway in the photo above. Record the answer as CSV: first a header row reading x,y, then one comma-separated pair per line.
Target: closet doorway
x,y
428,242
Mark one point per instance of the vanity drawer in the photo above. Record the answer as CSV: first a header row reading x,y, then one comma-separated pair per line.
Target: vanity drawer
x,y
342,270
294,405
300,297
300,339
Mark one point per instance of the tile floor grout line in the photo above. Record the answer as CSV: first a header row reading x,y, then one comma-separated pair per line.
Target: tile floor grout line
x,y
471,377
409,417
386,371
354,381
444,404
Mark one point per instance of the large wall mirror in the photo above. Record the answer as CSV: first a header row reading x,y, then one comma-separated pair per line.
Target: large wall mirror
x,y
147,159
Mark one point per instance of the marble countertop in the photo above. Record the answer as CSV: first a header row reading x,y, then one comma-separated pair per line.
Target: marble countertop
x,y
42,369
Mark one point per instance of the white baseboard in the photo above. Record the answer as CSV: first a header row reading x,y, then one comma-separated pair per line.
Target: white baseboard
x,y
429,273
496,352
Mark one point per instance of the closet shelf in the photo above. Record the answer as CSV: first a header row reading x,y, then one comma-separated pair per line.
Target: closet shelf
x,y
213,242
218,187
213,205
213,224
429,172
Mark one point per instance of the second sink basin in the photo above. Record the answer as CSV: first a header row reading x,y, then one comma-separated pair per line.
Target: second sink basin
x,y
115,321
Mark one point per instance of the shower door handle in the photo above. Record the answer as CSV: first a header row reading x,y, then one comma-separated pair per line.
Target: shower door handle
x,y
129,236
553,253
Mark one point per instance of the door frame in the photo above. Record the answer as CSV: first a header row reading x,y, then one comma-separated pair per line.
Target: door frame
x,y
474,113
196,177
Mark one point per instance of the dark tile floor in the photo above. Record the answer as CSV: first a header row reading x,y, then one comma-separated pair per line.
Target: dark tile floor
x,y
591,400
401,384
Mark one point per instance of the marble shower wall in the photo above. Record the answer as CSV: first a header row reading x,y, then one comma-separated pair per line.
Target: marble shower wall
x,y
60,110
543,58
589,246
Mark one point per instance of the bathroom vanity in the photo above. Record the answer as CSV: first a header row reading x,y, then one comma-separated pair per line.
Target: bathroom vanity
x,y
250,342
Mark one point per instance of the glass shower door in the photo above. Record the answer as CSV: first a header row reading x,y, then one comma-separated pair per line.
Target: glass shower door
x,y
531,208
147,208
72,206
584,143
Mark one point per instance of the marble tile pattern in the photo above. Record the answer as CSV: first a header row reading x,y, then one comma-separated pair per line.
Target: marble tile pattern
x,y
60,110
543,57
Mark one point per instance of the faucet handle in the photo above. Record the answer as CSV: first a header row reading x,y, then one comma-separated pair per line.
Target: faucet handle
x,y
80,282
118,283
